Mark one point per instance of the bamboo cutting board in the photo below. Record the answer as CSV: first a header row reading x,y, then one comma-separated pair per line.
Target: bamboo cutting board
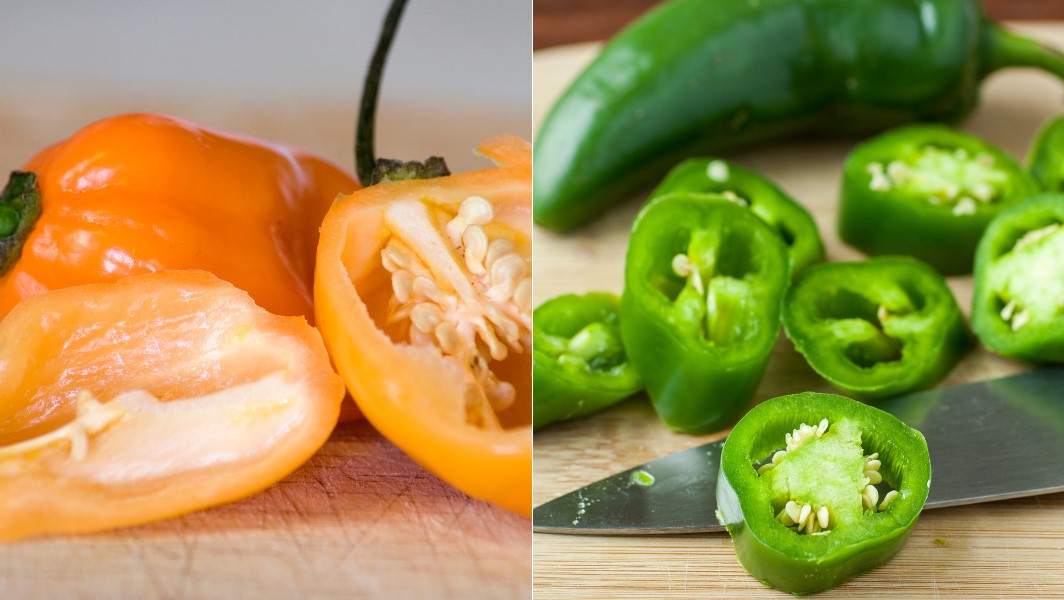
x,y
360,520
1003,549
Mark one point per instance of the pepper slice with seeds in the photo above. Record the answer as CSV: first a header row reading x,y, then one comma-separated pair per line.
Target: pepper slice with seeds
x,y
816,489
753,191
927,191
703,281
876,328
579,365
1018,305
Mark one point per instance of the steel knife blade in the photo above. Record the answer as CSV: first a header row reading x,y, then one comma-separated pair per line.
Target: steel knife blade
x,y
990,440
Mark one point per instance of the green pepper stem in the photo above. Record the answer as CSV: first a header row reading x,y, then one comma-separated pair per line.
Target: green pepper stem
x,y
1002,48
20,202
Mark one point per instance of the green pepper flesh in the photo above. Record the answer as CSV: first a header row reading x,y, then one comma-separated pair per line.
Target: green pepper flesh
x,y
1046,157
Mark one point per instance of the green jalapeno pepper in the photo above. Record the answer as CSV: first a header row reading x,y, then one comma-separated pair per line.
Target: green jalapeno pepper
x,y
927,191
703,280
1046,157
578,362
755,191
876,328
1018,305
695,77
816,489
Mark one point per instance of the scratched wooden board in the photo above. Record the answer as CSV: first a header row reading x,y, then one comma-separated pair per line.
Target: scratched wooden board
x,y
360,519
1002,549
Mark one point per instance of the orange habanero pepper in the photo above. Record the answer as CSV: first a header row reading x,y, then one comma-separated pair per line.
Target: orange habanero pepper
x,y
141,193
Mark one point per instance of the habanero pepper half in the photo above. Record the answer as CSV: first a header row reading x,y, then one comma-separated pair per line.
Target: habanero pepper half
x,y
1018,305
1046,156
579,365
755,191
816,489
423,293
927,191
140,193
876,328
696,77
700,314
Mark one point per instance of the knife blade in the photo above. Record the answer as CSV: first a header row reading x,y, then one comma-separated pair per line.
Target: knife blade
x,y
989,440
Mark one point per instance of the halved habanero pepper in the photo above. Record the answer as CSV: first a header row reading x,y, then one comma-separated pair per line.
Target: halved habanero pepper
x,y
700,314
140,193
1046,157
1018,305
816,489
152,397
755,191
927,191
876,328
579,365
423,294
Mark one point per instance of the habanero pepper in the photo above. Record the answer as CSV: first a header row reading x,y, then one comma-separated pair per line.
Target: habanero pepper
x,y
140,193
1018,305
700,313
579,365
755,191
1046,157
695,77
816,489
876,328
927,191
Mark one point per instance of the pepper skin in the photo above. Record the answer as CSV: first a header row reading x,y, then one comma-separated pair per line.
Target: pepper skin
x,y
876,328
833,450
140,193
1046,157
700,314
927,191
764,198
696,77
1018,305
579,365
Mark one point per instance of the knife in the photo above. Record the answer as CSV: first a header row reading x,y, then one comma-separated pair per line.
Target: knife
x,y
990,440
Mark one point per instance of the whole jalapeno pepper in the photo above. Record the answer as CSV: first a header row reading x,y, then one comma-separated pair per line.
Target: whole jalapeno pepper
x,y
754,191
876,328
703,281
579,365
1018,305
1046,157
816,489
695,77
927,191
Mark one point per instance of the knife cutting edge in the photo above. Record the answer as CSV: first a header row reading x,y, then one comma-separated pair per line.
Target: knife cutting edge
x,y
989,440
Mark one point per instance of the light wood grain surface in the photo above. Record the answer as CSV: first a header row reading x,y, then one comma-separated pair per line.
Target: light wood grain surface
x,y
1003,549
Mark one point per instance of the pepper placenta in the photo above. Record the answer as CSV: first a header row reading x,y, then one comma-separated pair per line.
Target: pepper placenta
x,y
579,365
736,72
1018,305
876,328
141,193
816,489
927,191
754,191
704,279
1046,157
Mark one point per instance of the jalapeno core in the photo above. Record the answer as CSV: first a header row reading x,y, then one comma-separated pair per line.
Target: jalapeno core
x,y
944,176
594,348
856,318
1026,279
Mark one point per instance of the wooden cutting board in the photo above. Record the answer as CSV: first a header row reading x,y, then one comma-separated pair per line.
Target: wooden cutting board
x,y
1002,549
360,519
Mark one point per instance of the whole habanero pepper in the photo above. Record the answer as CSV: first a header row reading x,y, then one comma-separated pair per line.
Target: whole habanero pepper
x,y
140,193
695,77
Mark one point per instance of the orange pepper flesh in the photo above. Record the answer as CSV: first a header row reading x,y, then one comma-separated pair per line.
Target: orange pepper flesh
x,y
141,193
152,397
431,402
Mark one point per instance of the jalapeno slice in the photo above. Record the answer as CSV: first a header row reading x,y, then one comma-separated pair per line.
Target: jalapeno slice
x,y
579,365
927,191
1018,305
816,489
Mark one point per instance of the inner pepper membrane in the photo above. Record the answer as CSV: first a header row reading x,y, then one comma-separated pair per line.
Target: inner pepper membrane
x,y
944,176
1027,279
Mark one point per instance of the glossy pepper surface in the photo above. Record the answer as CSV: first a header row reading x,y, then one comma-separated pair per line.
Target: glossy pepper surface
x,y
579,365
754,191
700,313
140,193
876,328
1018,305
927,191
816,489
1046,157
695,77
